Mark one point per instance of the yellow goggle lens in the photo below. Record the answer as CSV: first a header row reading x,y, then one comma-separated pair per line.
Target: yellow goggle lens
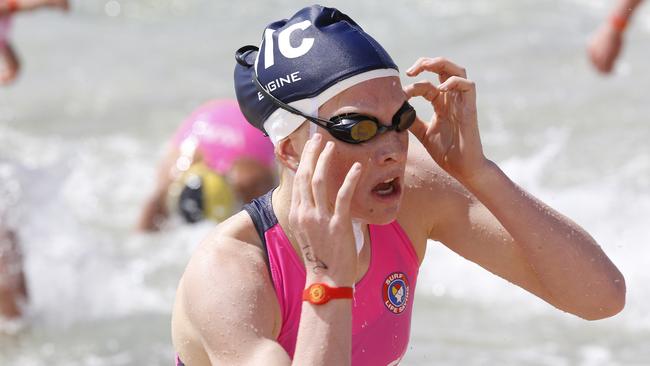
x,y
364,130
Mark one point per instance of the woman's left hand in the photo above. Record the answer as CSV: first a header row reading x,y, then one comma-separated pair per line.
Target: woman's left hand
x,y
452,137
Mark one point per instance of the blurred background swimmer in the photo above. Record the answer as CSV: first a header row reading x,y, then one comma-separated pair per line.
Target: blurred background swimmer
x,y
215,163
9,63
607,42
13,290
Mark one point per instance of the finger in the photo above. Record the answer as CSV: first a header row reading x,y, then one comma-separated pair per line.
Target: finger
x,y
439,65
305,171
429,92
344,197
456,83
319,180
424,89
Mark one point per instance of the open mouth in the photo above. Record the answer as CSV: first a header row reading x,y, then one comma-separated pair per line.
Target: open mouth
x,y
388,188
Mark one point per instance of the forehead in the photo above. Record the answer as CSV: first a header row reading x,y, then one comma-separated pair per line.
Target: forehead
x,y
381,96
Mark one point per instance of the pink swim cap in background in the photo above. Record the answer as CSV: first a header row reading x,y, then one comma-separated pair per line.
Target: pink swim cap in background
x,y
222,135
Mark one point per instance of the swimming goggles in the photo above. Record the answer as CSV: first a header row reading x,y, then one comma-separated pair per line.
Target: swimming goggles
x,y
353,128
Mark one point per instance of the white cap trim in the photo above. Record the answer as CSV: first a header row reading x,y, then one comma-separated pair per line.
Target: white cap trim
x,y
281,123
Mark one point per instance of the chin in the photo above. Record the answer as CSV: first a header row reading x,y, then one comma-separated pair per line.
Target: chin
x,y
377,214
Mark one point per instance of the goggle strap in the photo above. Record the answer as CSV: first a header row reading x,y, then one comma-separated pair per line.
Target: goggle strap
x,y
397,119
321,122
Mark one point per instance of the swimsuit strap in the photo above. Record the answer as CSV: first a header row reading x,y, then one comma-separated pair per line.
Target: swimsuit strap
x,y
261,212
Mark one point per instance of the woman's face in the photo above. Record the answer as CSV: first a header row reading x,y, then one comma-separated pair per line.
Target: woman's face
x,y
379,191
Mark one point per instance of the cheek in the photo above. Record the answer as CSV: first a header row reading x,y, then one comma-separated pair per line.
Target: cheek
x,y
337,173
341,164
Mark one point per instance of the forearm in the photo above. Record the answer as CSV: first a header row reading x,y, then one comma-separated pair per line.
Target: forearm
x,y
569,264
153,213
625,8
11,6
325,331
620,16
155,210
12,280
8,6
325,334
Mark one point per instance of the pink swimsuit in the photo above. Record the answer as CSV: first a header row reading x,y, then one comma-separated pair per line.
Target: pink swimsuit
x,y
383,298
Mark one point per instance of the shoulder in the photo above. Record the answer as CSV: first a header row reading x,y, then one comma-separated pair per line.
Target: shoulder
x,y
232,251
226,279
431,196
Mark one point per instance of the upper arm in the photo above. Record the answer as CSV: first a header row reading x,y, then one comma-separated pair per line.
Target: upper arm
x,y
228,300
155,209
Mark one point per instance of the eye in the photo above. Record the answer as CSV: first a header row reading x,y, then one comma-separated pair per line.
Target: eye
x,y
364,130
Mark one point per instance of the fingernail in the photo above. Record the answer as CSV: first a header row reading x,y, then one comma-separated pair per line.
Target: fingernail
x,y
317,136
329,145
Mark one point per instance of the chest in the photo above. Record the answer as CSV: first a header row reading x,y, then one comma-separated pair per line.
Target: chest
x,y
383,297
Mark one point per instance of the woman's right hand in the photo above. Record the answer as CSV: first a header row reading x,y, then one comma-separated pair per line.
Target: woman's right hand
x,y
324,233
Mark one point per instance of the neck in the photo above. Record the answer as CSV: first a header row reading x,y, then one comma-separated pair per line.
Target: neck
x,y
282,200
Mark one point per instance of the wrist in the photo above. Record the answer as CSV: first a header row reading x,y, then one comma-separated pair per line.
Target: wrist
x,y
13,6
479,175
485,181
618,22
321,293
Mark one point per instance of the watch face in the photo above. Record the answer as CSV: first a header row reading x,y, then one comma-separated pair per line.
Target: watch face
x,y
317,293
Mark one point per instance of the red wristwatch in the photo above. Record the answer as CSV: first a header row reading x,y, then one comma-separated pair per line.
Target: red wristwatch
x,y
320,293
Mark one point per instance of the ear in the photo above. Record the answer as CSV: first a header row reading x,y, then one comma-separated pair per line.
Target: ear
x,y
288,152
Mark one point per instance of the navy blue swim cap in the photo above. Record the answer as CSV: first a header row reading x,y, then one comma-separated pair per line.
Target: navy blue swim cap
x,y
304,61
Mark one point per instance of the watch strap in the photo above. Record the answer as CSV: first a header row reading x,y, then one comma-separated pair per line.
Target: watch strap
x,y
320,293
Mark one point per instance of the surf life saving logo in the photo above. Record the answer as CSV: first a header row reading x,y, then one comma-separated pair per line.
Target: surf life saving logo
x,y
396,292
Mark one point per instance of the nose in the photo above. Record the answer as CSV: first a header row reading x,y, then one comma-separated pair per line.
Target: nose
x,y
393,147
